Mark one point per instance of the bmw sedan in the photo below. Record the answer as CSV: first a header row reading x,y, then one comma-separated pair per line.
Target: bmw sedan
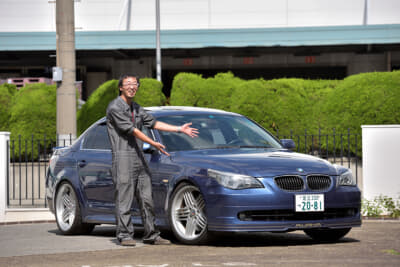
x,y
235,176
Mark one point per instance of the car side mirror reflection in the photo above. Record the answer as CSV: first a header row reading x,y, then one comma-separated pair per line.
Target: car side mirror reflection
x,y
288,144
147,148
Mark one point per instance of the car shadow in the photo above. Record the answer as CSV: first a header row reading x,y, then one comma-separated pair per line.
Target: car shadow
x,y
230,239
269,239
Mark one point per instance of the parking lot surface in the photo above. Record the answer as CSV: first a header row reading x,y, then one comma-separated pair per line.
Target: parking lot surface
x,y
376,243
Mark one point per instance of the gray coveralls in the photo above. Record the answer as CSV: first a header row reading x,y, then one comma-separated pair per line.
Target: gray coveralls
x,y
131,175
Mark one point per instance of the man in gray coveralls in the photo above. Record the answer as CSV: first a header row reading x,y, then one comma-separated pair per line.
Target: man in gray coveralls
x,y
131,175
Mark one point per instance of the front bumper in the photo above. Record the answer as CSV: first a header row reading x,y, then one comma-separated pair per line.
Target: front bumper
x,y
273,210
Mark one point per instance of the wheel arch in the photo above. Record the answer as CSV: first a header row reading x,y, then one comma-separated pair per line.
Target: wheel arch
x,y
177,183
77,191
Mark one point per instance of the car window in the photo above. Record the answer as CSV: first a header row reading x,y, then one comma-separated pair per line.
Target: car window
x,y
217,131
97,138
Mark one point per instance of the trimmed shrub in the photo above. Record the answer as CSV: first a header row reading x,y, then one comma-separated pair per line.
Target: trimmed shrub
x,y
192,90
96,105
217,91
362,99
7,92
149,94
33,115
253,100
186,89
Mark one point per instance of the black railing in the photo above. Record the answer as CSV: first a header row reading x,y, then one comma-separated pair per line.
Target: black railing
x,y
27,170
338,148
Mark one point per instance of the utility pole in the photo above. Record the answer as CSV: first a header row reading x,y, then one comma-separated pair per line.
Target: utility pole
x,y
66,91
128,16
365,19
158,48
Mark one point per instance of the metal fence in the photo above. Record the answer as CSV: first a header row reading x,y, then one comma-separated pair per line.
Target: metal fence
x,y
338,148
27,170
29,160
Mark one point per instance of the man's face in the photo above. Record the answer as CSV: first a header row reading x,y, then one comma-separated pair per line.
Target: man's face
x,y
129,87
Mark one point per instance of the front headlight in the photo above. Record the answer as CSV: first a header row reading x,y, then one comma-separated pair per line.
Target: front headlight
x,y
234,180
347,179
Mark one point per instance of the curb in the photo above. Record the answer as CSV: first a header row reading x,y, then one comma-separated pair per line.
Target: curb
x,y
27,222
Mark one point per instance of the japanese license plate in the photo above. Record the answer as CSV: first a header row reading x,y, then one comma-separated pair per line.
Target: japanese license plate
x,y
309,202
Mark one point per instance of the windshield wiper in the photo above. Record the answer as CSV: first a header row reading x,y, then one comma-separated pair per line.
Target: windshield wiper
x,y
255,147
222,147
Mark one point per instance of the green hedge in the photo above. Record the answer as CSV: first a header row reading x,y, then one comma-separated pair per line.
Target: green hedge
x,y
33,113
275,104
7,92
278,105
192,90
290,106
149,94
282,104
363,99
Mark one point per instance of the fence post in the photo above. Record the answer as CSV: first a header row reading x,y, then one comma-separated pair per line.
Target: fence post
x,y
4,171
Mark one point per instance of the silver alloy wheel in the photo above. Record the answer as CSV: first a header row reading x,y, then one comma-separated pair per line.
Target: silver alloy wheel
x,y
187,213
66,207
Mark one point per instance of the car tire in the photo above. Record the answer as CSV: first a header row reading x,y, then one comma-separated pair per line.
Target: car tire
x,y
327,235
187,215
67,212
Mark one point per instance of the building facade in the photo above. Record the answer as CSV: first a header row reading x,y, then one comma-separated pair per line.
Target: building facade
x,y
257,38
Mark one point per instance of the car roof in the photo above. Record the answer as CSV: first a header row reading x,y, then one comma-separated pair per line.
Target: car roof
x,y
160,111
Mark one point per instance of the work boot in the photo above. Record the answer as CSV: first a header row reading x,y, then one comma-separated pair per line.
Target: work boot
x,y
127,242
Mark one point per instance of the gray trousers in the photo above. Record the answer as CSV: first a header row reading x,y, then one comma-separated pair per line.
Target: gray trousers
x,y
137,185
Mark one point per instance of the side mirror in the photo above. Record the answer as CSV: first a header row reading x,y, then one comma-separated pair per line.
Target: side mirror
x,y
146,148
288,144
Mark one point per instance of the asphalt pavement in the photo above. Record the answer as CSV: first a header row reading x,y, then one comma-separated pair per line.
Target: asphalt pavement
x,y
376,243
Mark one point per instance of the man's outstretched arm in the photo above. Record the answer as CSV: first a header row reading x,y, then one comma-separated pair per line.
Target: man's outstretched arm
x,y
185,128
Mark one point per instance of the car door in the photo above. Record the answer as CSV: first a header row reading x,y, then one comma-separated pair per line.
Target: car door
x,y
158,179
94,167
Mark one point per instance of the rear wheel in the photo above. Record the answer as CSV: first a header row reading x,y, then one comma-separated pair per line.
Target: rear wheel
x,y
327,235
67,211
187,215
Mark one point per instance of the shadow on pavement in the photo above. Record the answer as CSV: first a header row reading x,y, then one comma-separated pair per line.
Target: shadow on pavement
x,y
260,239
268,239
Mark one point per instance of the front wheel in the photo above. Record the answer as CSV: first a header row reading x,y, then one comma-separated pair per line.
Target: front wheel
x,y
67,211
327,235
187,215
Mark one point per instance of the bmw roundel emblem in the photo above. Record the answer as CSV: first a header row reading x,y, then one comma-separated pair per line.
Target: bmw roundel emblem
x,y
299,170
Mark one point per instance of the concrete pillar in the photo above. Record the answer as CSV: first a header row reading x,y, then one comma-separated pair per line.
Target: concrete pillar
x,y
66,91
4,168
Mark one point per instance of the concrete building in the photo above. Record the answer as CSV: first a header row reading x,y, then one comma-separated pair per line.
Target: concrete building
x,y
254,38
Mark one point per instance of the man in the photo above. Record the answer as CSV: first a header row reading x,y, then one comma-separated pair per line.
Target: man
x,y
131,175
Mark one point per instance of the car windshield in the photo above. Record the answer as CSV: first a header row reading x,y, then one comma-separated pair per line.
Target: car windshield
x,y
217,132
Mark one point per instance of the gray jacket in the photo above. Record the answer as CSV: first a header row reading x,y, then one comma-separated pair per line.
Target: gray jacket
x,y
126,149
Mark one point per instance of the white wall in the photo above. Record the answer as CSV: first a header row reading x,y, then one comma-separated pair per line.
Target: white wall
x,y
97,15
381,161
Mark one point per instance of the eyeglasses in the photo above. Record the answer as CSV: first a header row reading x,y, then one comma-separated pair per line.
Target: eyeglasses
x,y
131,84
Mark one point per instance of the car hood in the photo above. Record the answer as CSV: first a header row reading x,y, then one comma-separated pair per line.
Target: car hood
x,y
256,162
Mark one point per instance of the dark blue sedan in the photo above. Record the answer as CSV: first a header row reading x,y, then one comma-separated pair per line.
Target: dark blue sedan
x,y
234,177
